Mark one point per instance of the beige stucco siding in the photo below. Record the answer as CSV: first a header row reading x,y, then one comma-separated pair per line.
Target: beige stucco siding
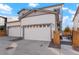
x,y
41,19
13,24
76,22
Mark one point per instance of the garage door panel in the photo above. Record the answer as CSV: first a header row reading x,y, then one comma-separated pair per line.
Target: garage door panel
x,y
37,33
15,31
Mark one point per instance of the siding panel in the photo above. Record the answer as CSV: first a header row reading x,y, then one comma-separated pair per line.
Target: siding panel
x,y
42,19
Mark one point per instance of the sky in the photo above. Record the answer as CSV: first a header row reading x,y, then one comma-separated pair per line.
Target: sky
x,y
11,10
69,11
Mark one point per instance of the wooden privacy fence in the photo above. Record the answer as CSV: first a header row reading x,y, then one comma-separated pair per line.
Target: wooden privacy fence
x,y
56,39
2,33
75,40
67,33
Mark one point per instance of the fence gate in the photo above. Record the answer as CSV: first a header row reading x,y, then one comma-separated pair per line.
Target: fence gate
x,y
56,39
2,33
75,40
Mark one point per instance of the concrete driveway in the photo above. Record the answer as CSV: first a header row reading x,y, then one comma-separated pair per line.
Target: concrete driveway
x,y
4,43
27,47
33,47
66,47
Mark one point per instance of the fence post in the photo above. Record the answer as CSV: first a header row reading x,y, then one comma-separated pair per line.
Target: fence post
x,y
75,40
56,39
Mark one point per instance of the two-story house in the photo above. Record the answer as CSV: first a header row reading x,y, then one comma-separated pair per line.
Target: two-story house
x,y
37,24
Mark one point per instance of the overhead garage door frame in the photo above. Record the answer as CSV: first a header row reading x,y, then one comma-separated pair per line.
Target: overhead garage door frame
x,y
38,25
14,26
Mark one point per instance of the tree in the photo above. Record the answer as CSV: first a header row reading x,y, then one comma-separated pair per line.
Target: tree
x,y
67,29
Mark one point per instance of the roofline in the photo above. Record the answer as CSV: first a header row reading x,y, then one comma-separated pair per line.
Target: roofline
x,y
75,13
22,10
62,4
13,26
13,21
36,15
3,17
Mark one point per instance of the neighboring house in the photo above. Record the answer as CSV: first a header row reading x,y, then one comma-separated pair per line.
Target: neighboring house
x,y
75,36
3,21
38,24
76,20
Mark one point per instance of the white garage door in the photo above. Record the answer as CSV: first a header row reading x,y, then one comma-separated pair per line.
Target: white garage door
x,y
15,31
37,32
